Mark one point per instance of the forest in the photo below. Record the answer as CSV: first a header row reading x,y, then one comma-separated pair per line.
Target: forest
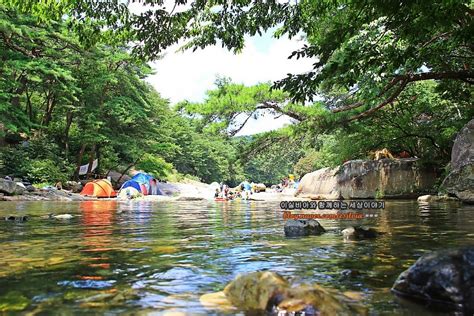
x,y
73,89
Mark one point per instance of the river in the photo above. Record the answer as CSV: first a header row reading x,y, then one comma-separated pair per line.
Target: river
x,y
160,257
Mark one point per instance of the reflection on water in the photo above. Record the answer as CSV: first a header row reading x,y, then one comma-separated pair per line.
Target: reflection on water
x,y
144,256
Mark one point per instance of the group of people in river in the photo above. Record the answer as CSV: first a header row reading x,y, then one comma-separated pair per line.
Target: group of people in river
x,y
244,190
286,182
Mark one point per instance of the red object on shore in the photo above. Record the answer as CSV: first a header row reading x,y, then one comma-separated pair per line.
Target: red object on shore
x,y
99,188
404,154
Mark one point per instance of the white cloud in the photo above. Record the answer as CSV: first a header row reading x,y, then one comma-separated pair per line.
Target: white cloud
x,y
188,75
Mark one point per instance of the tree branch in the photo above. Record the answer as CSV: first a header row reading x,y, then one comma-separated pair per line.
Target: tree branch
x,y
382,104
276,107
241,125
463,75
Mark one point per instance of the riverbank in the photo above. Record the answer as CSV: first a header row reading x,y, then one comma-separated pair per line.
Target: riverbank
x,y
182,191
173,191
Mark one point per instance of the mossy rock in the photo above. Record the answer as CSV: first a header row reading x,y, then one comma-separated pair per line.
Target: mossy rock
x,y
268,291
13,301
254,290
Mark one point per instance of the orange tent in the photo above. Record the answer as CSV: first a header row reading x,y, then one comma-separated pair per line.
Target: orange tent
x,y
99,188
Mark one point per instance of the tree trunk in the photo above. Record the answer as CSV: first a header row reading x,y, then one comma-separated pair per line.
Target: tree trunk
x,y
49,109
15,100
79,161
29,106
97,155
69,116
128,168
91,161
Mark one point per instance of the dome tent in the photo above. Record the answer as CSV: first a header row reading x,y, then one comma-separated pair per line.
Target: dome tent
x,y
99,188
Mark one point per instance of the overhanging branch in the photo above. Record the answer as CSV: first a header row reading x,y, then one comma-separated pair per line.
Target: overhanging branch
x,y
275,106
402,81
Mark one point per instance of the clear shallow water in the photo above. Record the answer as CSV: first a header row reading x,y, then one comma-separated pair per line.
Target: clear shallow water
x,y
153,257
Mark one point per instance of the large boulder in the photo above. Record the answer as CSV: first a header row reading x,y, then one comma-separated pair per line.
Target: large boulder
x,y
117,178
460,181
463,149
301,227
444,277
367,179
10,187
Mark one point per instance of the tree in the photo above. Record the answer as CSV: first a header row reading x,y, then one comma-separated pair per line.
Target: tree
x,y
228,108
366,52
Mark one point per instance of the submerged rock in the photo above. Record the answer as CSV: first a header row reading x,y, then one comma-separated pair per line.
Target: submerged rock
x,y
359,232
301,227
436,198
368,179
460,181
445,277
255,290
262,291
349,273
13,218
62,216
190,198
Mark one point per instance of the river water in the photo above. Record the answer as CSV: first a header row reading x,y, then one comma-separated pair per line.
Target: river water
x,y
160,257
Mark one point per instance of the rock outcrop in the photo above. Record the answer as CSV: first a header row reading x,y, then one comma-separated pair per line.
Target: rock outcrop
x,y
445,278
367,179
463,149
10,187
460,181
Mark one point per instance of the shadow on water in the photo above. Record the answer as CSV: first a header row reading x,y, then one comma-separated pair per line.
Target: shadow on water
x,y
144,256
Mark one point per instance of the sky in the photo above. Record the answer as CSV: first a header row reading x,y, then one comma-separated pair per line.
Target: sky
x,y
188,75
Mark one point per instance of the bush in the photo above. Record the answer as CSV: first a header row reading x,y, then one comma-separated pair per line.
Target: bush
x,y
45,171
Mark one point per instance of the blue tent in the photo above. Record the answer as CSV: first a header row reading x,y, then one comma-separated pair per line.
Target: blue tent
x,y
150,183
142,178
132,183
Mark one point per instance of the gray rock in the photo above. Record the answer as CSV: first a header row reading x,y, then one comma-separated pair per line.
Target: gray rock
x,y
301,227
445,277
10,187
463,148
30,188
368,179
359,232
73,186
63,216
437,198
349,273
190,198
13,218
115,176
460,181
